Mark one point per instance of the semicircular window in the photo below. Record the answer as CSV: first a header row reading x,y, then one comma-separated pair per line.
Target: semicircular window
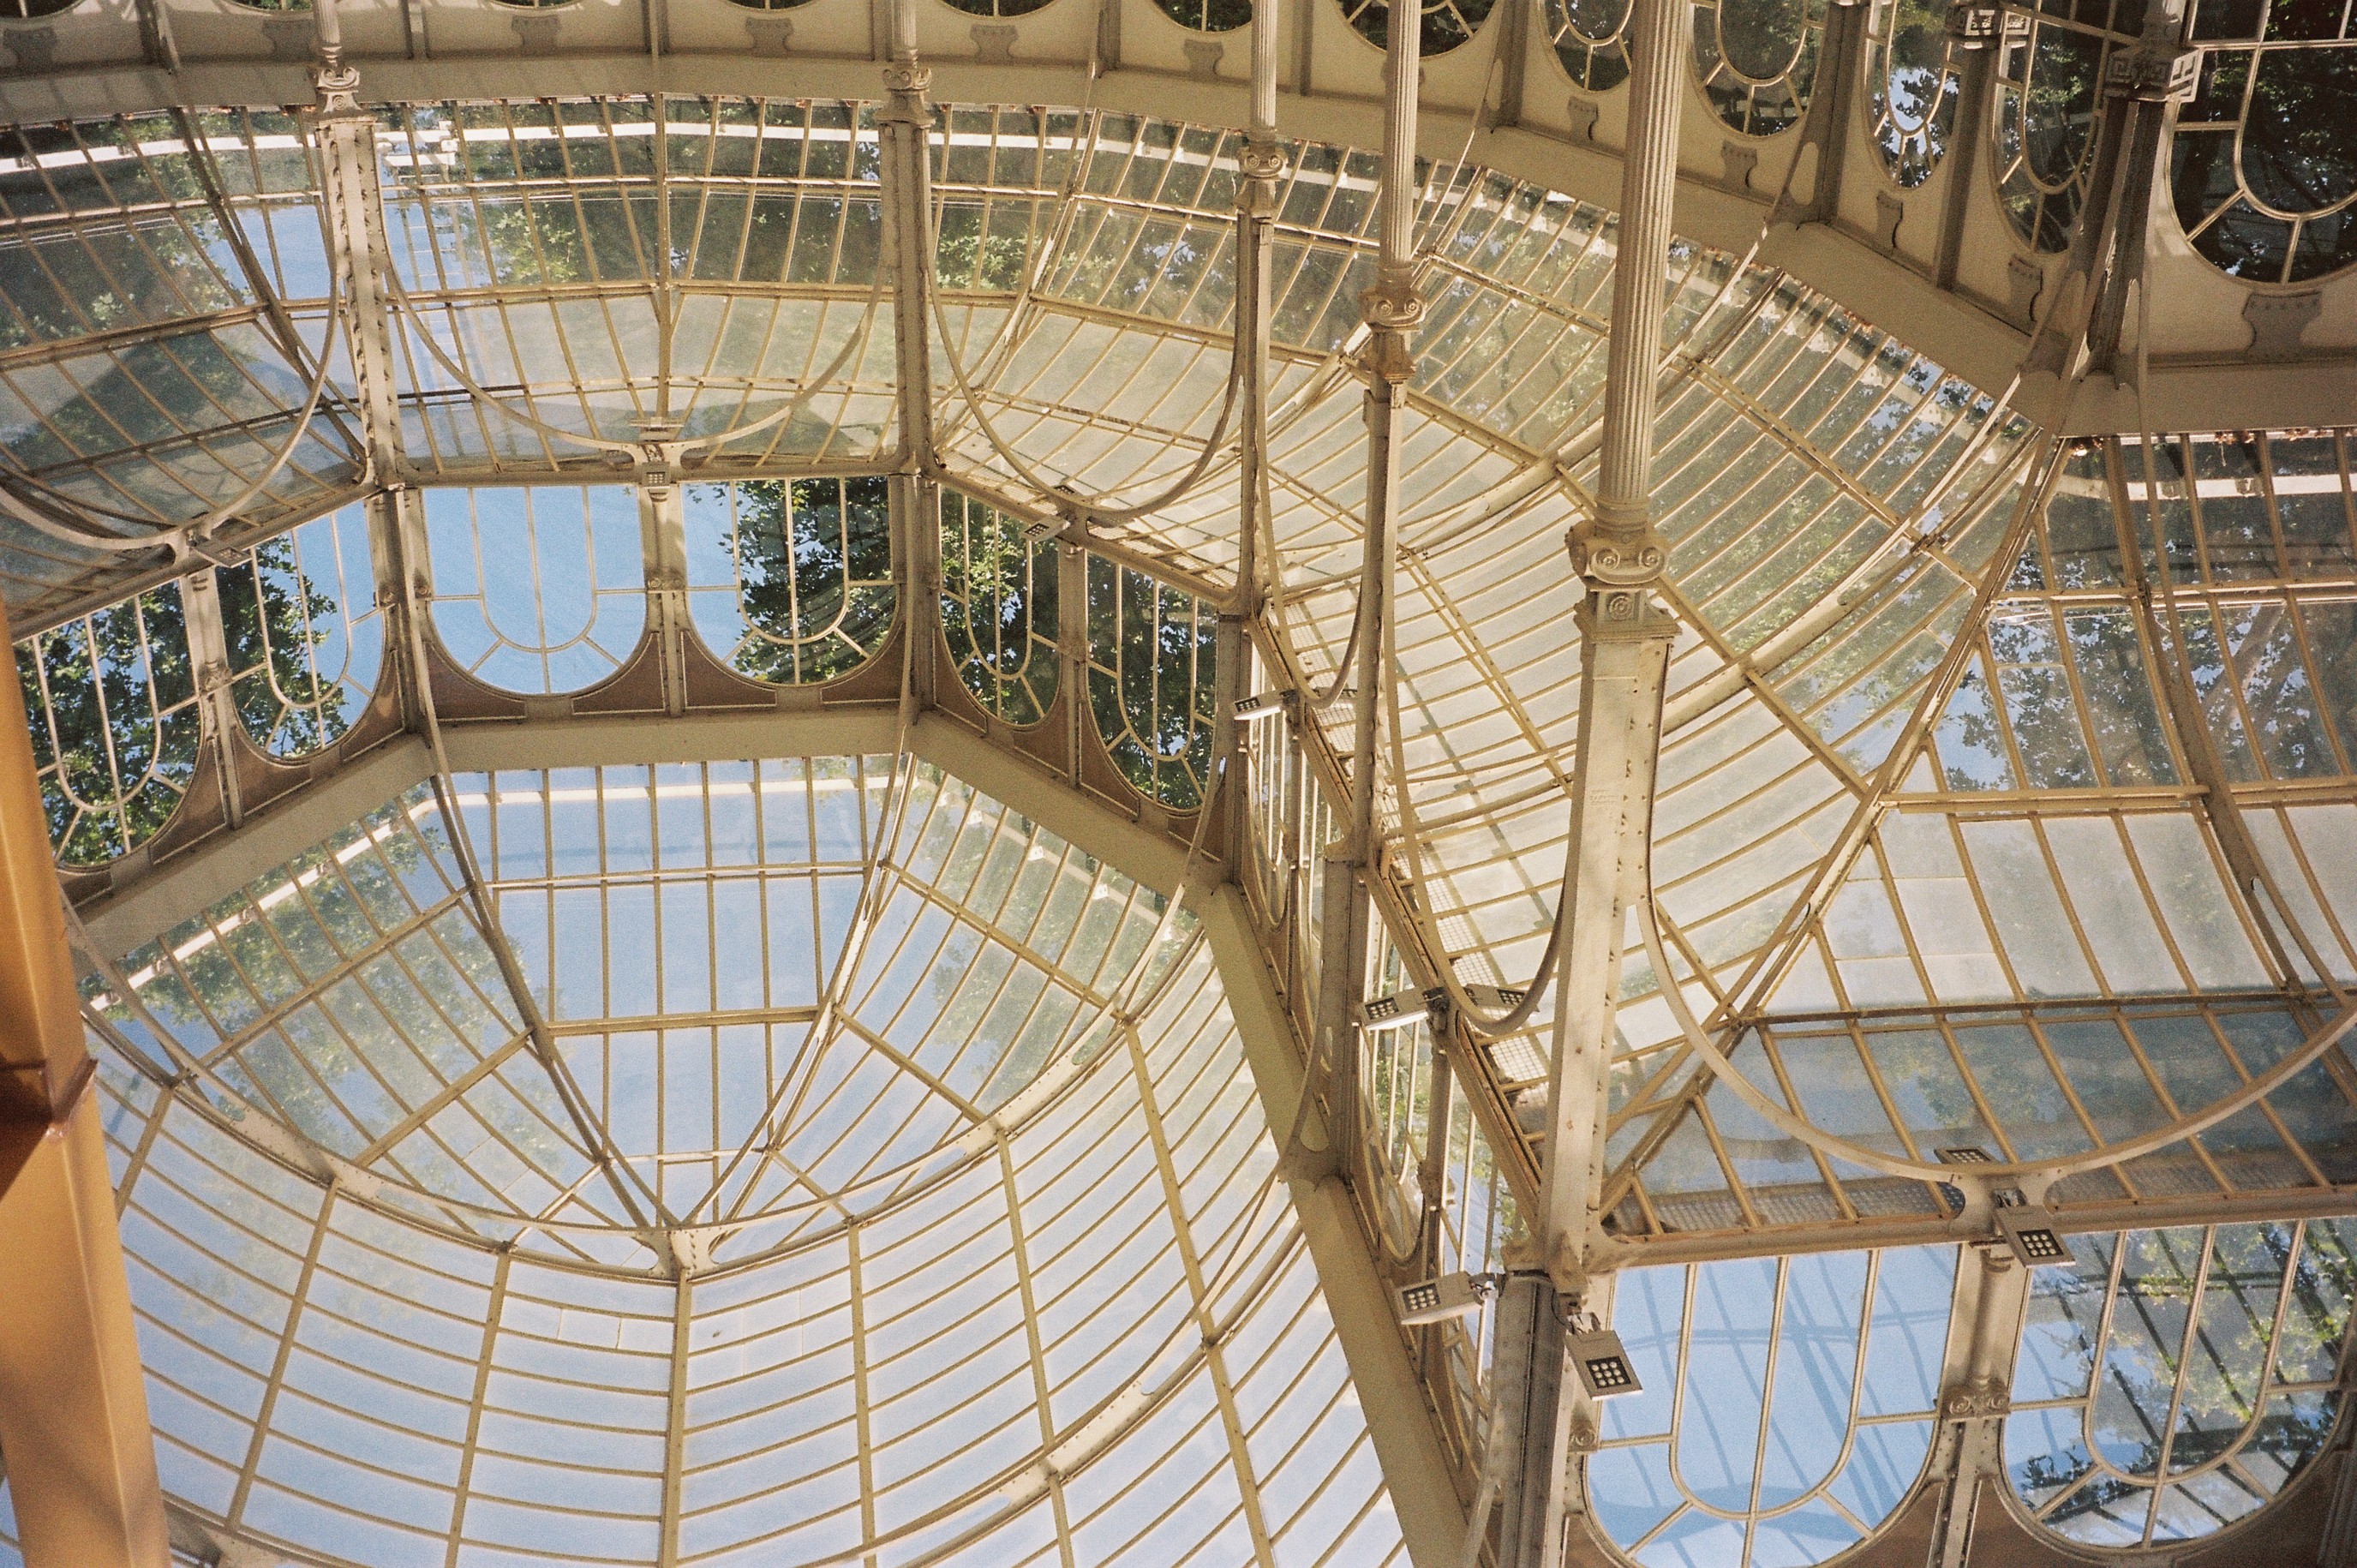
x,y
2264,168
1447,23
538,589
113,701
790,581
1757,59
1590,40
998,7
2172,1382
1150,681
999,608
1786,1405
305,637
2050,104
1912,87
1208,16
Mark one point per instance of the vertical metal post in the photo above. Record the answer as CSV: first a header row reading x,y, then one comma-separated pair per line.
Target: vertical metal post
x,y
200,614
1072,648
1392,310
73,1407
1974,32
1624,659
662,543
2138,85
354,210
1262,162
1975,1388
905,128
1826,128
1526,1373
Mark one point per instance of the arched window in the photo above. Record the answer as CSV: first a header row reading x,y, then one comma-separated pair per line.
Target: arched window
x,y
999,608
2265,165
1150,681
998,7
113,699
538,589
305,636
1590,40
790,581
1758,59
2172,1382
1208,16
1912,86
1787,1404
1447,23
2049,107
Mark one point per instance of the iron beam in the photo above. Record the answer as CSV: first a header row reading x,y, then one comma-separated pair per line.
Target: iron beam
x,y
73,1402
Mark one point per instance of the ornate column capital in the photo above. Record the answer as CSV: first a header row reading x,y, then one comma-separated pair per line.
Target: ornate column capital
x,y
338,86
1262,164
1618,548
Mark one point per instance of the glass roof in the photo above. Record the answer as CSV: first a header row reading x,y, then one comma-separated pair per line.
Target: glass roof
x,y
607,1206
885,1063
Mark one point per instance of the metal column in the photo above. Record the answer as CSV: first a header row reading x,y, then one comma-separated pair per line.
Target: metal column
x,y
73,1407
1624,658
1392,310
905,126
1263,160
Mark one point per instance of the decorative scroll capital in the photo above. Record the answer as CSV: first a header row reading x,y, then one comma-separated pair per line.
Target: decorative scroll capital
x,y
906,81
1393,306
1617,547
338,88
1261,160
1263,164
1395,310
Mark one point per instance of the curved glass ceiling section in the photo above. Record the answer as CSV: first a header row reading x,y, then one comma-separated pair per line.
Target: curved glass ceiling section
x,y
1146,1367
570,256
737,1029
164,315
1788,1405
2171,1382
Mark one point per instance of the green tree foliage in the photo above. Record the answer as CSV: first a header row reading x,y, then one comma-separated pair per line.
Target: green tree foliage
x,y
998,610
814,573
112,702
275,620
111,699
1151,682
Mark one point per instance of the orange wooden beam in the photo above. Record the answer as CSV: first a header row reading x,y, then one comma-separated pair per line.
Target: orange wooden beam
x,y
73,1404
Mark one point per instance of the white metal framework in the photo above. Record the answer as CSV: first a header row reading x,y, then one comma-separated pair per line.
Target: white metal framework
x,y
635,696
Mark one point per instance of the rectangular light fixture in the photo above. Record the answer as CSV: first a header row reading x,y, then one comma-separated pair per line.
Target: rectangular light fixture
x,y
1261,706
1438,1300
2035,1243
1605,1371
1966,1155
1401,1008
1499,996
